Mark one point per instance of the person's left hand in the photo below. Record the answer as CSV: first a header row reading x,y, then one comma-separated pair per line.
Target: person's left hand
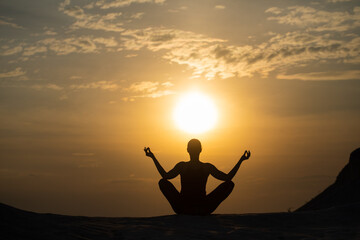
x,y
245,156
148,152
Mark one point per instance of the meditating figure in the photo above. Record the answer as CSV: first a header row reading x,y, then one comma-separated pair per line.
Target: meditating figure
x,y
192,199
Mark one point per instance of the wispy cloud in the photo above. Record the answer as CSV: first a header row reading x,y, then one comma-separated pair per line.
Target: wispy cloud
x,y
107,42
316,20
148,89
220,7
274,10
205,56
138,15
7,22
145,86
330,75
61,46
183,8
14,73
213,58
337,1
123,3
7,51
103,85
75,77
106,22
131,55
32,50
66,46
50,86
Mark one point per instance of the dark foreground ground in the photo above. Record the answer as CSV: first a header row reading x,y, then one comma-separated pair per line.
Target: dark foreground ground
x,y
333,223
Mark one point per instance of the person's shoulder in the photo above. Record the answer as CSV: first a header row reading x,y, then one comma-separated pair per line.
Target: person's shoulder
x,y
181,164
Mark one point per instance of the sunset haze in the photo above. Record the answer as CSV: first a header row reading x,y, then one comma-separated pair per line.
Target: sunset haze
x,y
86,85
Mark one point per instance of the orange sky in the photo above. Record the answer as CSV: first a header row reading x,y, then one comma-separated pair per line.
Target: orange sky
x,y
84,87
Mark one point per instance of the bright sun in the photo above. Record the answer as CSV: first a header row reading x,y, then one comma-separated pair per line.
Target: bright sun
x,y
195,113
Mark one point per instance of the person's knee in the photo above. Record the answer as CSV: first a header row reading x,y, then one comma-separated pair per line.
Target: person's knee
x,y
230,184
163,182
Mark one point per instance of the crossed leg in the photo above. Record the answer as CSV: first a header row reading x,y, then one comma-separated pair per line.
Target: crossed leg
x,y
171,194
211,201
217,196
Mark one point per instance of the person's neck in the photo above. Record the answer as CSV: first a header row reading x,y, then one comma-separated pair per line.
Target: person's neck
x,y
194,157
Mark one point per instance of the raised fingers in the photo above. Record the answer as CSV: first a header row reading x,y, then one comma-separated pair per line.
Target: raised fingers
x,y
146,149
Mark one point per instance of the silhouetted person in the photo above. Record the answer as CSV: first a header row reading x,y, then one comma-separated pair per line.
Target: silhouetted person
x,y
192,199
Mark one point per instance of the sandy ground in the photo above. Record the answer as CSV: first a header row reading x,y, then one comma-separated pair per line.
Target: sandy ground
x,y
333,223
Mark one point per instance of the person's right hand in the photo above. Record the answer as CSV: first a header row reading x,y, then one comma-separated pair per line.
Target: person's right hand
x,y
245,156
148,152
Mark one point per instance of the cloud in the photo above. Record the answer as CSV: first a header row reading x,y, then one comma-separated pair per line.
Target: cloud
x,y
157,94
59,46
138,15
211,58
331,75
107,42
75,77
103,4
64,4
103,85
316,20
32,50
81,44
50,86
156,39
145,86
167,84
107,22
182,8
274,10
130,55
15,73
220,7
205,56
10,24
11,51
50,33
148,89
336,1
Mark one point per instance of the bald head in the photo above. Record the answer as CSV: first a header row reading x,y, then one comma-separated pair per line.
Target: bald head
x,y
194,147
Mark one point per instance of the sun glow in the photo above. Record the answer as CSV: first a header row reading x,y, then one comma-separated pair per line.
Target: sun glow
x,y
195,113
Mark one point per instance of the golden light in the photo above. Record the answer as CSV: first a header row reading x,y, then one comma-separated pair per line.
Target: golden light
x,y
195,113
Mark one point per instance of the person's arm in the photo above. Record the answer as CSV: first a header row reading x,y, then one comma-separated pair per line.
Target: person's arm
x,y
228,177
216,173
233,171
166,175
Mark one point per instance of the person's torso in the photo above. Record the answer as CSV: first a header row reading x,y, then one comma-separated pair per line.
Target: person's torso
x,y
193,179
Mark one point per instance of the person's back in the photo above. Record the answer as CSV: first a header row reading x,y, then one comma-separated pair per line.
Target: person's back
x,y
192,198
193,177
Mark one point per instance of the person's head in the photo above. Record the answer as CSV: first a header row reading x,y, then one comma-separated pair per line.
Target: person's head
x,y
194,146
